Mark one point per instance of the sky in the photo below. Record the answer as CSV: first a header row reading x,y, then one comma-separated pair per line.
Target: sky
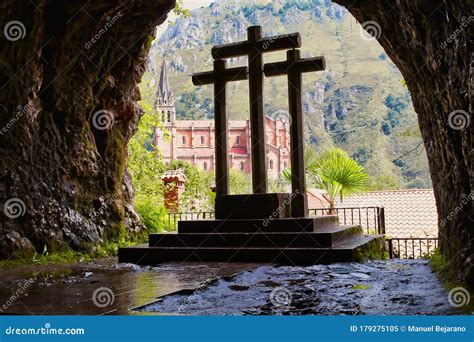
x,y
189,4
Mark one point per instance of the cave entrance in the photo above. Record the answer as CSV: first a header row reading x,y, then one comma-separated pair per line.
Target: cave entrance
x,y
435,63
344,107
63,64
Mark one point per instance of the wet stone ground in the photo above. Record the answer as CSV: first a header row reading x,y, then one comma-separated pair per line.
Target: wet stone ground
x,y
393,287
396,287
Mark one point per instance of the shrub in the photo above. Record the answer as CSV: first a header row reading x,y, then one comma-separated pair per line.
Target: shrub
x,y
154,215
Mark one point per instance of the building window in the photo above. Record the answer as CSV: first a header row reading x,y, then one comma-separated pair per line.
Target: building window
x,y
163,116
242,166
202,139
169,116
237,141
183,138
205,166
271,164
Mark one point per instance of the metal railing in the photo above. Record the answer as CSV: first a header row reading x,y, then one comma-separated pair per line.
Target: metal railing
x,y
370,218
174,217
411,248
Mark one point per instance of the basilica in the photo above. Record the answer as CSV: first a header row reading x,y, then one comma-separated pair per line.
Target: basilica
x,y
193,140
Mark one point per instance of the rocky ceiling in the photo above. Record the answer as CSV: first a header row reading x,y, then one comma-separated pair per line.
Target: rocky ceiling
x,y
68,80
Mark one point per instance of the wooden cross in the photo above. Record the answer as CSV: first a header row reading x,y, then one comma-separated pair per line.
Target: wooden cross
x,y
220,76
294,67
254,47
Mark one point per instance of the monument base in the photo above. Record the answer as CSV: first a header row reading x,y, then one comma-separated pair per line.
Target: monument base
x,y
289,241
253,206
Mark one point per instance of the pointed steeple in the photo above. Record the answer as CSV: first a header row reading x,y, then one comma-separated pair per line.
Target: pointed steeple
x,y
164,93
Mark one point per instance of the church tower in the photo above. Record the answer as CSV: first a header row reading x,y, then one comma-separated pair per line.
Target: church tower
x,y
164,106
164,98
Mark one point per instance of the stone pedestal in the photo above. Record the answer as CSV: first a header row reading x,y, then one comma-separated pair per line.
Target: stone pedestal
x,y
254,206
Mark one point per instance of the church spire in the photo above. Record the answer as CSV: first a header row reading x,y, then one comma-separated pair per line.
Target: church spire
x,y
164,93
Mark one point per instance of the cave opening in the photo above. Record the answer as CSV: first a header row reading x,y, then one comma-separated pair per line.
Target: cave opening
x,y
57,163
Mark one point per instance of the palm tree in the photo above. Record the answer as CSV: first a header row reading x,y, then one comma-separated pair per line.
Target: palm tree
x,y
334,171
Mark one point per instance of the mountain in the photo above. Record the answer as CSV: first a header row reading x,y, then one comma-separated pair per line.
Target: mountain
x,y
359,103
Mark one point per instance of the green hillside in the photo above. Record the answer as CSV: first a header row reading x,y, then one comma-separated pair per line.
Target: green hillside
x,y
359,103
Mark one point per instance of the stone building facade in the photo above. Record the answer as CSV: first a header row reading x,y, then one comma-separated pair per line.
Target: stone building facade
x,y
193,140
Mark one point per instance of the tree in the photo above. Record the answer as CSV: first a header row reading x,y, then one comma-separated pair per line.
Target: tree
x,y
334,171
146,166
339,174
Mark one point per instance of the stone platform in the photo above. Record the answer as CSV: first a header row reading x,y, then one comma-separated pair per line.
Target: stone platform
x,y
288,241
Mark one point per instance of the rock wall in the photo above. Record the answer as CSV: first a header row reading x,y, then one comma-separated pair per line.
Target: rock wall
x,y
431,43
69,72
68,80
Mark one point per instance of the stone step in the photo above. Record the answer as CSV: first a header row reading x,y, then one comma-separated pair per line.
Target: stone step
x,y
351,250
307,224
321,238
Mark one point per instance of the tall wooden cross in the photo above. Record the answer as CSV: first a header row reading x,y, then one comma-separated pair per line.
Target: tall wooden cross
x,y
254,47
220,76
294,67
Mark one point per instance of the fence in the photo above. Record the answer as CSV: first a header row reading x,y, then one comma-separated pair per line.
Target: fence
x,y
370,218
411,248
173,218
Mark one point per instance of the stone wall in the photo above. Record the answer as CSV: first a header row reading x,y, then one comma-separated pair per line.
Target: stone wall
x,y
431,43
69,72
